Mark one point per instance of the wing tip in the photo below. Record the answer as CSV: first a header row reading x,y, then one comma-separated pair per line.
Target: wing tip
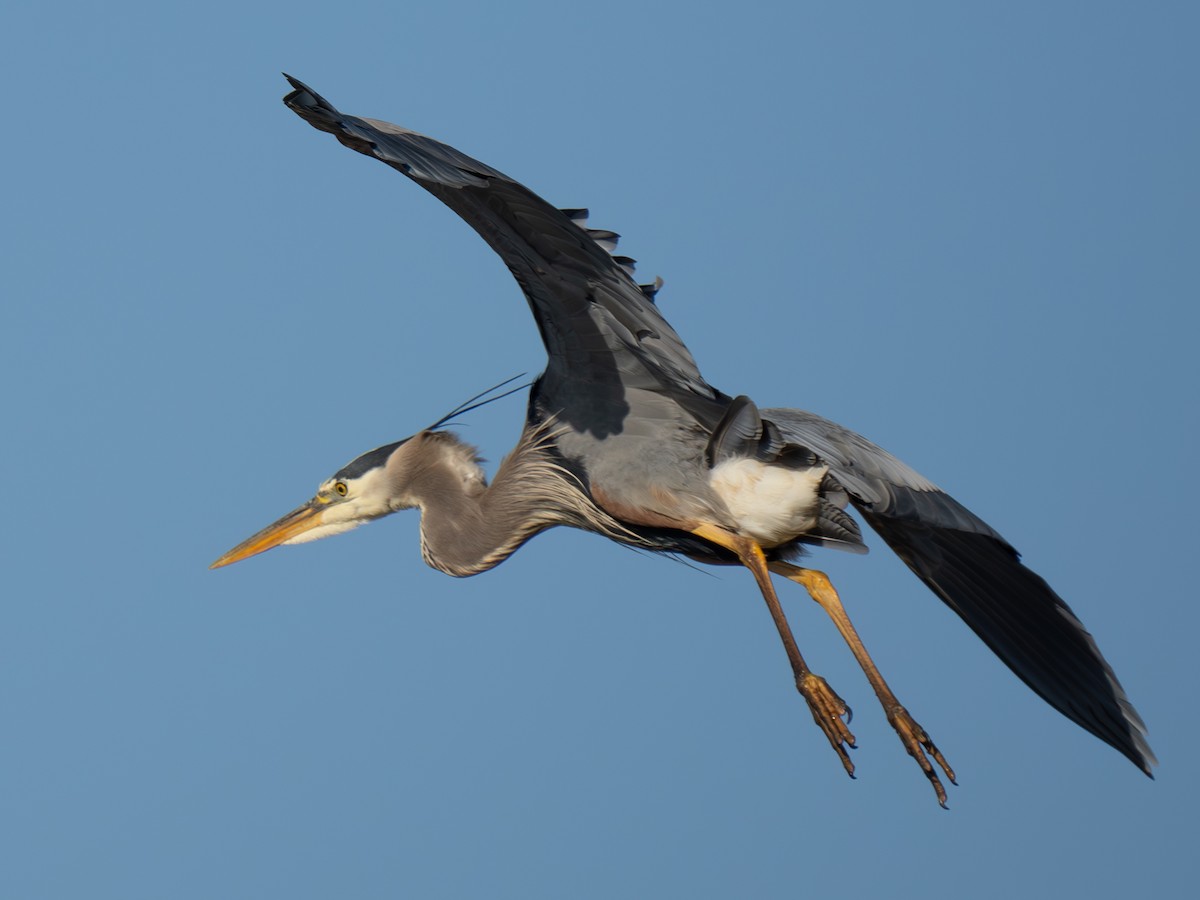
x,y
306,102
1138,752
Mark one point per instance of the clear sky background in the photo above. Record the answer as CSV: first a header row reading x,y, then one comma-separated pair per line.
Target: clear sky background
x,y
969,233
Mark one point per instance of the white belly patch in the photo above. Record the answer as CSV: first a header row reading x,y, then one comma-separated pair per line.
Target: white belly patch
x,y
771,504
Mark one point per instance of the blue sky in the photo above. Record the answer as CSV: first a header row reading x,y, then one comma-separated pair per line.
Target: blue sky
x,y
969,234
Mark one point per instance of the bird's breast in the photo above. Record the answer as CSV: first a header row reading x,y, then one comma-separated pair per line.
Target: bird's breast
x,y
772,504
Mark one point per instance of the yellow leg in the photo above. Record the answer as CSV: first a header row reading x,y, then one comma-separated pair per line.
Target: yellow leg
x,y
827,708
912,735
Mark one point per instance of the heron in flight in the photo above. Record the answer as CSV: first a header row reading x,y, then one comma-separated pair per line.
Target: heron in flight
x,y
625,438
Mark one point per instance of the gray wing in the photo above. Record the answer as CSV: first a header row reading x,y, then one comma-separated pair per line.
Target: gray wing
x,y
601,329
979,576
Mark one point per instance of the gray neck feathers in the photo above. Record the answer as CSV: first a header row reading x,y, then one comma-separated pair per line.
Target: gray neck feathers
x,y
469,527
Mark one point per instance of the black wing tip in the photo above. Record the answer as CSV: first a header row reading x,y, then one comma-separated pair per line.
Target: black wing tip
x,y
1026,624
1139,753
298,87
302,98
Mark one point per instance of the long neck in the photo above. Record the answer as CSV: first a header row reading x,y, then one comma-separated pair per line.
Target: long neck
x,y
462,535
468,527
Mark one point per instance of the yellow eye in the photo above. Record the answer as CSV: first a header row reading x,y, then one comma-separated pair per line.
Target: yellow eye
x,y
341,488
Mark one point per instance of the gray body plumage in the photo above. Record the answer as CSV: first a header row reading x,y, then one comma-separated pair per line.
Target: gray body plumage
x,y
632,433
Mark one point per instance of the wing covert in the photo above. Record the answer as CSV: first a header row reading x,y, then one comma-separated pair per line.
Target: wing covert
x,y
980,576
596,322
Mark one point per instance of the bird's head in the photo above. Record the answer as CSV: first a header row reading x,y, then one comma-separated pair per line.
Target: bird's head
x,y
432,464
367,488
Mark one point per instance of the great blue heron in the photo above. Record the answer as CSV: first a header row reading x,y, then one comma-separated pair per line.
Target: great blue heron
x,y
625,438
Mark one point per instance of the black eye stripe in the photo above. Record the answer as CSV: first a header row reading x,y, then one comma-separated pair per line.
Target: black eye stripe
x,y
372,459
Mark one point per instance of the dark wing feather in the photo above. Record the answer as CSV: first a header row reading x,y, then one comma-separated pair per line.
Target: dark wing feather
x,y
599,326
604,337
980,576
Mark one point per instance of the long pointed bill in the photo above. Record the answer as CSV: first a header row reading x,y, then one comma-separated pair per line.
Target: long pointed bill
x,y
298,521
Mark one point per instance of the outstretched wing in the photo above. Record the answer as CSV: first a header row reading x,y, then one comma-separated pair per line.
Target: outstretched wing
x,y
598,325
980,576
605,339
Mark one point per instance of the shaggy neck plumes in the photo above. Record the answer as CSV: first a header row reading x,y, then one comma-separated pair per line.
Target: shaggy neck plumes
x,y
469,527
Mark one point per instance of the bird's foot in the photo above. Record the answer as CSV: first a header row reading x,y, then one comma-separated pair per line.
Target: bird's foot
x,y
831,713
920,748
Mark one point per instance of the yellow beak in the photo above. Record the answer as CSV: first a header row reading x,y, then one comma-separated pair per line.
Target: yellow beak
x,y
298,521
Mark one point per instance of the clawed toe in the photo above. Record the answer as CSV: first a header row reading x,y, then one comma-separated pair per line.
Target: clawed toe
x,y
919,746
831,713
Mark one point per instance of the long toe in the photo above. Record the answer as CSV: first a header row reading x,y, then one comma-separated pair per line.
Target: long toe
x,y
830,712
919,746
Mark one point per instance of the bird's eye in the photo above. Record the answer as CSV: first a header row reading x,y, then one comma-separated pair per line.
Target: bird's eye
x,y
341,488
